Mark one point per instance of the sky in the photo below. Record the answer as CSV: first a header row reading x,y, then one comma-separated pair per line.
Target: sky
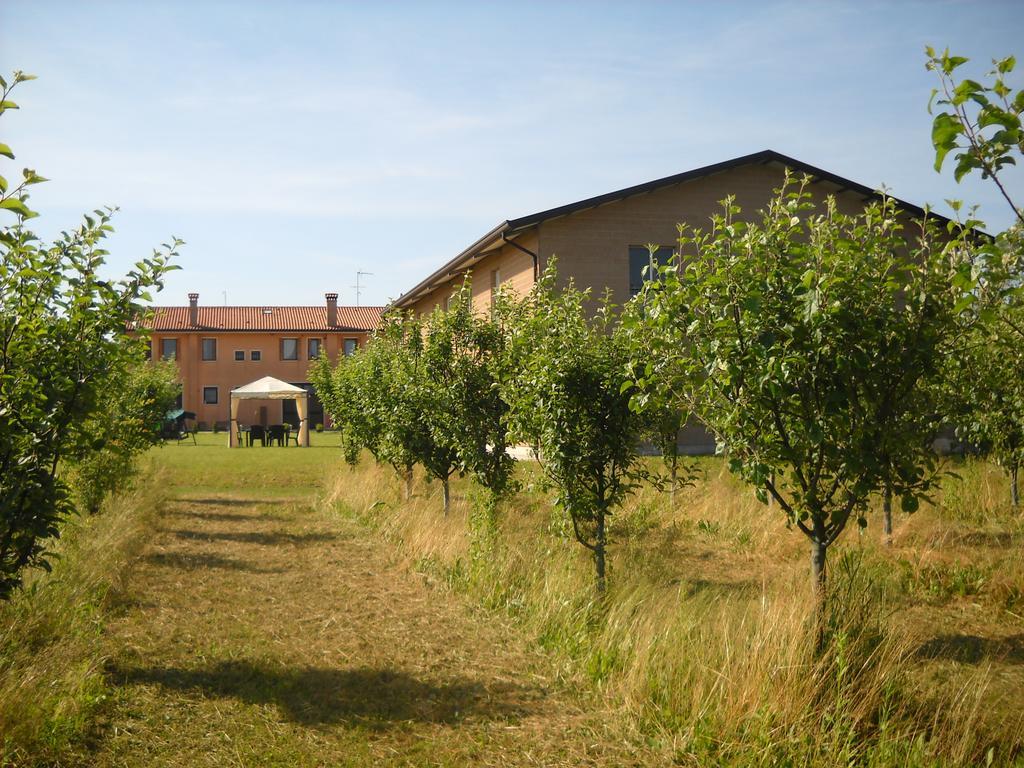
x,y
292,145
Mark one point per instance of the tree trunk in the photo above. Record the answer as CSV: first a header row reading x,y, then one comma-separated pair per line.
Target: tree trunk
x,y
675,481
408,484
599,546
446,490
771,499
887,515
1014,487
819,550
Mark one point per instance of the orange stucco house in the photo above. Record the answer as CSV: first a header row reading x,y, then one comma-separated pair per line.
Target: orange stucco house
x,y
218,349
601,242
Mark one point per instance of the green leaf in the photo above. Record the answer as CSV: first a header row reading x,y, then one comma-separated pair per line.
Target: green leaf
x,y
6,151
949,63
16,205
4,105
909,503
945,129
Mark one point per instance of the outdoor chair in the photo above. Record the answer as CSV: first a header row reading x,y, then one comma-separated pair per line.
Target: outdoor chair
x,y
275,432
257,432
291,436
187,432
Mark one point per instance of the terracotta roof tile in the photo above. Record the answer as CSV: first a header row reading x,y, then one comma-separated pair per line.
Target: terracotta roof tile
x,y
264,319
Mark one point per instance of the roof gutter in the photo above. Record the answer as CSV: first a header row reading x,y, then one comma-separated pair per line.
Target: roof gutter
x,y
527,251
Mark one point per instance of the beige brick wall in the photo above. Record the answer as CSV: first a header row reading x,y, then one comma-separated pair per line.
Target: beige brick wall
x,y
516,270
592,246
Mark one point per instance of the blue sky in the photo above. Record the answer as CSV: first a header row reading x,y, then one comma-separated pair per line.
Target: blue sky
x,y
292,144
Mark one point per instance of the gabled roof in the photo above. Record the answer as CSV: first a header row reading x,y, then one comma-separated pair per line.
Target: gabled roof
x,y
270,318
509,228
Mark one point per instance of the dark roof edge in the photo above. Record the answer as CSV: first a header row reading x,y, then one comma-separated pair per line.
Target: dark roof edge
x,y
448,266
764,156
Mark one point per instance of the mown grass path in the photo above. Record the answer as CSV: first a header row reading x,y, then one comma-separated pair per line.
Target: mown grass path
x,y
263,631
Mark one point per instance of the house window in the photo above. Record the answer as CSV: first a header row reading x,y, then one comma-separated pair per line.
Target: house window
x,y
640,261
209,395
255,355
209,349
351,345
168,349
239,355
289,349
313,348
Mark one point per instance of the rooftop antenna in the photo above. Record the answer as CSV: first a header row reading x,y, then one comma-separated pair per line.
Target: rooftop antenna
x,y
225,297
359,274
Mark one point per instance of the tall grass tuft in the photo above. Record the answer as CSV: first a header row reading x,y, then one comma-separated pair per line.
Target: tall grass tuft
x,y
51,656
705,638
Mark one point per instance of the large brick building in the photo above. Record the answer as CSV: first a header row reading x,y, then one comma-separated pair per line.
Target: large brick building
x,y
601,242
218,349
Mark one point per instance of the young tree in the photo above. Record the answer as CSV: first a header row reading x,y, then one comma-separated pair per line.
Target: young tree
x,y
981,125
64,330
795,338
993,375
347,392
567,398
662,417
463,355
132,404
383,400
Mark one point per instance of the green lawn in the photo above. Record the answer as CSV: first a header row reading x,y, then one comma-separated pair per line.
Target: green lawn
x,y
209,467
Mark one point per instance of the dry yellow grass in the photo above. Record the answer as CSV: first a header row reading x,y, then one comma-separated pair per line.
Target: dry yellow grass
x,y
52,681
704,637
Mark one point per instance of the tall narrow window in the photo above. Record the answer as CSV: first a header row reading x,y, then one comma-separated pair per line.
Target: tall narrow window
x,y
640,262
209,349
289,349
351,345
168,349
313,348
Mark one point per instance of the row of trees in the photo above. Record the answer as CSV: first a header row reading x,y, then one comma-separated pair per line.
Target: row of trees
x,y
825,351
77,402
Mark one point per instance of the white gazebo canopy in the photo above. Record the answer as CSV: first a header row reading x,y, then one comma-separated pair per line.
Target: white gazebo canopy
x,y
269,388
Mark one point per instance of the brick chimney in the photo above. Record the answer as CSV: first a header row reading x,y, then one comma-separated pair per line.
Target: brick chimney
x,y
332,309
193,309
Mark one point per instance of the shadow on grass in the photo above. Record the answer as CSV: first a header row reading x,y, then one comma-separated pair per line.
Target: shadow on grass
x,y
193,561
229,516
972,649
321,696
213,501
270,538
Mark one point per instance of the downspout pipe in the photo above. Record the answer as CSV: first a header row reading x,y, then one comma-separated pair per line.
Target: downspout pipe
x,y
527,251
